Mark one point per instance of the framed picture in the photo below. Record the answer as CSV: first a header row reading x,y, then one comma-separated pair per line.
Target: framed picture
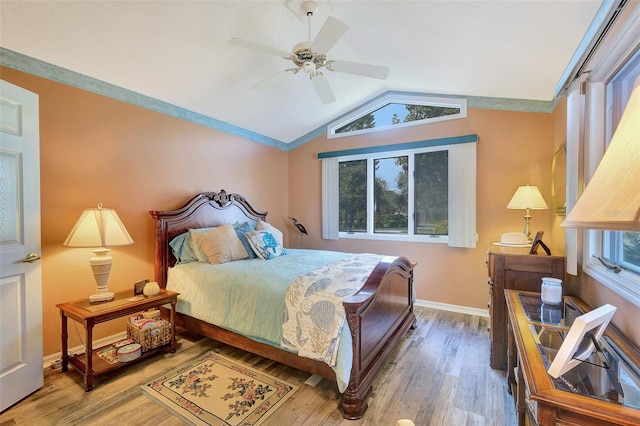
x,y
138,287
579,342
537,241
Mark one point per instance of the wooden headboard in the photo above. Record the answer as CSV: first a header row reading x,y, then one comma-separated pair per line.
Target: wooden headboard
x,y
205,210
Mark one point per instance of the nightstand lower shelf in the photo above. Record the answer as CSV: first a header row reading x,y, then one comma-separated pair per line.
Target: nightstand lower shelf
x,y
90,314
101,366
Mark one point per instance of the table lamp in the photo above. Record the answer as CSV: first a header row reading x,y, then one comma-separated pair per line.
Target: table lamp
x,y
100,228
527,198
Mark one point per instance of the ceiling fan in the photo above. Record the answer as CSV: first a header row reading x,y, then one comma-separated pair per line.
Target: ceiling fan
x,y
311,57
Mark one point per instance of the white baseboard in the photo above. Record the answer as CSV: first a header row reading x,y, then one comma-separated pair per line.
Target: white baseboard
x,y
452,308
48,360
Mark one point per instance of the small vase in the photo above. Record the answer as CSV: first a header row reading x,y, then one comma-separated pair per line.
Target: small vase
x,y
151,289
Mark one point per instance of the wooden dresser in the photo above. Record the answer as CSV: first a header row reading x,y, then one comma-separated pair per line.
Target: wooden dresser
x,y
515,269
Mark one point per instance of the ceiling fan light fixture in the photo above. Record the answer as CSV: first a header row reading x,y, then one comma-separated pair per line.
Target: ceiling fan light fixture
x,y
309,67
301,47
311,56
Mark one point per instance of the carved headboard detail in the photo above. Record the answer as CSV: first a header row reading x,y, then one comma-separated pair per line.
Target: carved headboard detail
x,y
205,210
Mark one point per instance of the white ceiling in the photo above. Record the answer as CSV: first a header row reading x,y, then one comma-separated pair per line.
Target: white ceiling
x,y
178,51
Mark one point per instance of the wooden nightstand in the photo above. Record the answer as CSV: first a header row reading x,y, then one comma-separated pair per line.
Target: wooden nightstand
x,y
90,314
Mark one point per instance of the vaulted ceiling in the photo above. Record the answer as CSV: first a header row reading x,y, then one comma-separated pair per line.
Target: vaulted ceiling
x,y
178,52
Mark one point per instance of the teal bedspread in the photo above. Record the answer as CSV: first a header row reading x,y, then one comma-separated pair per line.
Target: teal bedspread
x,y
247,296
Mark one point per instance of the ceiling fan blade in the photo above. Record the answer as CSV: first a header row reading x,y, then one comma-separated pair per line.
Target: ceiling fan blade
x,y
271,81
366,70
323,89
332,30
258,47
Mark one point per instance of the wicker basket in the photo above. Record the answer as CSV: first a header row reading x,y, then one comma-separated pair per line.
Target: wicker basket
x,y
150,338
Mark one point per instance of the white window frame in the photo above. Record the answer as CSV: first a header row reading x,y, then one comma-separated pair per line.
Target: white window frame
x,y
396,98
462,158
617,49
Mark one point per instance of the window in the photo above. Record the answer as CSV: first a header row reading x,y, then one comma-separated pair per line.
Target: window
x,y
421,191
592,118
352,178
621,247
397,110
392,182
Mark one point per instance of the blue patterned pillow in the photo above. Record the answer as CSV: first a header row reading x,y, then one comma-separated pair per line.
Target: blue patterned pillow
x,y
265,245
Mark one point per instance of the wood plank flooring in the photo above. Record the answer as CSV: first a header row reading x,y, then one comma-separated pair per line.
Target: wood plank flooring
x,y
439,376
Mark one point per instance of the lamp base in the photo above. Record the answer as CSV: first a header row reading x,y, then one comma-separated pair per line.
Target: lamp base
x,y
526,231
101,266
101,296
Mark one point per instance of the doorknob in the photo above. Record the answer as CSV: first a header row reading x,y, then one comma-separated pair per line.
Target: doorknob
x,y
31,257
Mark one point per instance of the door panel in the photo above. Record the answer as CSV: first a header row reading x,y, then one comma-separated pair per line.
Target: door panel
x,y
20,282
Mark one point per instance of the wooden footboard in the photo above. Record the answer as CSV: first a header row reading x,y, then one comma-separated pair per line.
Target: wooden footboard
x,y
379,315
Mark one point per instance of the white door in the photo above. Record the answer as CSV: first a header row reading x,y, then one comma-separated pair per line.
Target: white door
x,y
21,370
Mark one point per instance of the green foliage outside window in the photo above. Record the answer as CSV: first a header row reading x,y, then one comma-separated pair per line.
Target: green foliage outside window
x,y
631,248
352,212
390,114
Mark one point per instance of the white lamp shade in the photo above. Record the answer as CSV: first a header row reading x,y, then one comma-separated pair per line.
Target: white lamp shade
x,y
611,200
527,197
98,228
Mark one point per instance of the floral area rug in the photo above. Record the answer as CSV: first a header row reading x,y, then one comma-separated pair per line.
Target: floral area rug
x,y
214,390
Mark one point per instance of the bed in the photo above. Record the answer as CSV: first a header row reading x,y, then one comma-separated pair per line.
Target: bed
x,y
378,315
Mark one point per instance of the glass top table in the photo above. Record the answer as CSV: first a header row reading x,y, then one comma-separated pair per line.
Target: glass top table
x,y
608,374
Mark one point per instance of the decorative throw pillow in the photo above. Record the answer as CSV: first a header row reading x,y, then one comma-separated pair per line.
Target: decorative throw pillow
x,y
182,249
265,244
265,226
241,230
221,244
197,251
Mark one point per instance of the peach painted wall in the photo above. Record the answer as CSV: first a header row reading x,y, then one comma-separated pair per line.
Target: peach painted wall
x,y
515,148
96,149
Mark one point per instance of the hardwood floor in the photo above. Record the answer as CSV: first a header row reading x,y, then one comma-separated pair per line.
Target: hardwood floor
x,y
440,376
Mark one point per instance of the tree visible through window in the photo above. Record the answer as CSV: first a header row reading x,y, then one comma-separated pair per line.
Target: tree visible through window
x,y
352,176
432,193
424,175
395,113
391,195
